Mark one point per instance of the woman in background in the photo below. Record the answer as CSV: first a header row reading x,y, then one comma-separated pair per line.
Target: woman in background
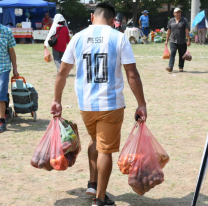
x,y
202,31
60,29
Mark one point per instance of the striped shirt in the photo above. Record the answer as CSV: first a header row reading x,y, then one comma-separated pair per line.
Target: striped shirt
x,y
99,51
6,41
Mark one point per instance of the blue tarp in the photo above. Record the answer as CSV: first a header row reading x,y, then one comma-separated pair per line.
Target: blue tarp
x,y
36,8
25,3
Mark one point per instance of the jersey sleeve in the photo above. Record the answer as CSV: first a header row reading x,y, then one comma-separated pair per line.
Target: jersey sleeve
x,y
127,56
68,56
140,18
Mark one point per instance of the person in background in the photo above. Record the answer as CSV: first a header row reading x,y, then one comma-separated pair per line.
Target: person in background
x,y
60,29
99,51
178,30
10,25
7,55
202,31
144,22
47,20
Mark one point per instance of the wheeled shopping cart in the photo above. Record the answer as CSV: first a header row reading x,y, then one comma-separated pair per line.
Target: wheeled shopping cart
x,y
25,98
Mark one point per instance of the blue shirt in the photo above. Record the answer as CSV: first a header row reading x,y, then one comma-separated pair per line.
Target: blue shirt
x,y
7,41
144,20
202,24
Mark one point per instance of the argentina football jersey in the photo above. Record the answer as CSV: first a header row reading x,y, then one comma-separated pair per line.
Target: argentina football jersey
x,y
99,51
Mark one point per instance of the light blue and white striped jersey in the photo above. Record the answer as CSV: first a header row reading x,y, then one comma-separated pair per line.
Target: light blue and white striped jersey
x,y
99,51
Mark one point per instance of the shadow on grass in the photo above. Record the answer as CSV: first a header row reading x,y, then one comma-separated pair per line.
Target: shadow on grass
x,y
192,72
132,199
26,123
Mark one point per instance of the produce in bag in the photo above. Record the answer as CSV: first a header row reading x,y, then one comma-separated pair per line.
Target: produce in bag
x,y
69,139
47,56
166,54
41,156
139,159
57,159
187,56
72,156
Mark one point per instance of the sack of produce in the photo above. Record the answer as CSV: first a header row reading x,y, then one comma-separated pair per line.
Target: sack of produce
x,y
139,160
166,54
187,56
69,138
47,56
41,156
57,159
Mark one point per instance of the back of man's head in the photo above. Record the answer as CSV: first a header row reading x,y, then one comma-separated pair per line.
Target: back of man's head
x,y
106,10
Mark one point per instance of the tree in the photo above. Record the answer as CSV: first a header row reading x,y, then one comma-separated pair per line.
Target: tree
x,y
71,8
136,7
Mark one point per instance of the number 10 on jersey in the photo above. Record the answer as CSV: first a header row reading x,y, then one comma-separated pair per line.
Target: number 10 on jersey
x,y
97,67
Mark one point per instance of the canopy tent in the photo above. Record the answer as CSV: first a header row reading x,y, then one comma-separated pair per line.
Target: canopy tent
x,y
36,8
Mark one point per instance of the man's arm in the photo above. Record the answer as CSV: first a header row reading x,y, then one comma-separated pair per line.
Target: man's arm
x,y
188,37
140,24
167,37
64,70
135,84
13,60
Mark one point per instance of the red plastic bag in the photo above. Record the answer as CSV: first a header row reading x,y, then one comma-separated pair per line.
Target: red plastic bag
x,y
140,159
57,159
47,56
166,54
41,156
187,56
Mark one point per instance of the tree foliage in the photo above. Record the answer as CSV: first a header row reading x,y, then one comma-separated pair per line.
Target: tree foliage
x,y
71,8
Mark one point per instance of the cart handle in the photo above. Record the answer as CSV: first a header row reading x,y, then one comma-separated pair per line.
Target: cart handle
x,y
13,79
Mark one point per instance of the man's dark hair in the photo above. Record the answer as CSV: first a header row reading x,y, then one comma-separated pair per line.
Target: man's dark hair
x,y
106,9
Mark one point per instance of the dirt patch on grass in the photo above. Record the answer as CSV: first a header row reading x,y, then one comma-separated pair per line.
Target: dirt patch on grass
x,y
177,116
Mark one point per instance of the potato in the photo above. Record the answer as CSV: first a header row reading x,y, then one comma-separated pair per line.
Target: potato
x,y
145,181
165,158
150,178
138,191
157,180
147,188
155,172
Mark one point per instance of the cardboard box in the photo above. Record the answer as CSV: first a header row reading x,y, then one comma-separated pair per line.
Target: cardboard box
x,y
26,24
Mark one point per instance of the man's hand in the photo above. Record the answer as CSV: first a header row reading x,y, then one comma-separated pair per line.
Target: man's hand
x,y
56,109
140,27
15,72
142,112
188,43
166,43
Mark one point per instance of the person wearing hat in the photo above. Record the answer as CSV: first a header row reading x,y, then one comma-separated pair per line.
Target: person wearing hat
x,y
144,22
178,30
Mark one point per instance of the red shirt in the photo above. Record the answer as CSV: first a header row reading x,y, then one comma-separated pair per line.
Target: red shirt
x,y
46,21
63,38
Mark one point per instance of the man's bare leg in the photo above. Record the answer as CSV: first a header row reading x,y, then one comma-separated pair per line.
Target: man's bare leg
x,y
2,109
104,167
93,155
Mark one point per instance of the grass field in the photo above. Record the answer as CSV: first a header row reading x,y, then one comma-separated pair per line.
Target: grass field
x,y
177,116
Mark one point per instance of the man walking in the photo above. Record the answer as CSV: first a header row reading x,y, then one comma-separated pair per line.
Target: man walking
x,y
7,55
144,23
99,51
178,29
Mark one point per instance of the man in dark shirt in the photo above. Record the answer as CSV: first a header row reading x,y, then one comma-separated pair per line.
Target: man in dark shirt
x,y
178,30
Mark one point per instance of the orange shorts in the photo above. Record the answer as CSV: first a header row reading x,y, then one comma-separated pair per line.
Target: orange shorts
x,y
105,127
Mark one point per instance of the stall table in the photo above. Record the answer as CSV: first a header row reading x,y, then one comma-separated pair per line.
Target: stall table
x,y
22,32
40,34
132,34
